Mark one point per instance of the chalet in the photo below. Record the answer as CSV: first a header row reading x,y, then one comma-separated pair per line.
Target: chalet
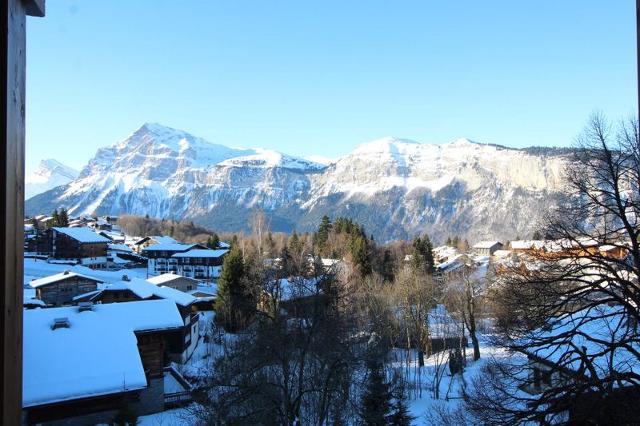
x,y
202,264
180,346
160,256
102,225
43,221
114,237
557,352
486,248
60,289
205,299
75,245
82,364
142,243
177,282
188,260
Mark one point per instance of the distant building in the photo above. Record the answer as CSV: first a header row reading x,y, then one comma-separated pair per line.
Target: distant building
x,y
487,248
60,289
189,260
181,345
177,282
83,364
75,245
145,242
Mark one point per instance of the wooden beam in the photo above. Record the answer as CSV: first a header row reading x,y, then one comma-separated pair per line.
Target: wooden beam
x,y
11,208
13,15
34,7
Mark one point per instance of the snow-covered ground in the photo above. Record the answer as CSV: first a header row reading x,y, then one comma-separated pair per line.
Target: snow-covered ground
x,y
421,398
178,416
422,401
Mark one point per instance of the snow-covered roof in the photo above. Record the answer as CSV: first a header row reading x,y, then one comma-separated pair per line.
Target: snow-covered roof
x,y
201,253
32,301
171,247
161,239
146,290
59,277
527,244
168,277
120,247
96,355
486,244
595,327
84,235
502,253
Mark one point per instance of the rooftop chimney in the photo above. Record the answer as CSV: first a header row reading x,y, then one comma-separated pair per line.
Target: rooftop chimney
x,y
125,278
60,323
85,306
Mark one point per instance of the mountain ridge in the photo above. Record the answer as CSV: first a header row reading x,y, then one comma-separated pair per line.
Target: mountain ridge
x,y
396,187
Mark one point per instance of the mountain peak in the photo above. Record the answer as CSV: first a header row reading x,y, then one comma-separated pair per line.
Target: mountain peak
x,y
463,142
385,144
49,174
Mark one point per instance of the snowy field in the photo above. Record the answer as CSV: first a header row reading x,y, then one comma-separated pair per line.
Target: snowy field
x,y
420,388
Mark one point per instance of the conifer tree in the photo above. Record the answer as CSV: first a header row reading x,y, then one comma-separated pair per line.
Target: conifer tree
x,y
376,402
233,301
422,256
213,242
63,218
360,255
400,411
55,217
322,235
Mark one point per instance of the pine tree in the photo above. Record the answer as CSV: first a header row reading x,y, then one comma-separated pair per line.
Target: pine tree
x,y
213,242
360,255
422,256
232,301
55,217
400,415
376,402
63,218
322,235
295,245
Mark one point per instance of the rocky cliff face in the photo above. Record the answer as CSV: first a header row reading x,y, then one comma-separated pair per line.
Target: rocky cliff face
x,y
396,188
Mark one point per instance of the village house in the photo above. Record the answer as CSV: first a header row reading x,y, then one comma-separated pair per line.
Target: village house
x,y
201,264
84,364
60,289
142,243
74,245
557,352
180,346
43,221
189,260
486,248
177,282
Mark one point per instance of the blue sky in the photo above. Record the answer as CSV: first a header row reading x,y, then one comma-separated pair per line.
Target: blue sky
x,y
320,77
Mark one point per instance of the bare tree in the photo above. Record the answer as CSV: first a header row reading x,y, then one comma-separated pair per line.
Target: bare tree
x,y
464,296
550,301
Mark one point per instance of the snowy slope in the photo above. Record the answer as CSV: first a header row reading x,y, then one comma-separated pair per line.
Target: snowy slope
x,y
395,187
49,174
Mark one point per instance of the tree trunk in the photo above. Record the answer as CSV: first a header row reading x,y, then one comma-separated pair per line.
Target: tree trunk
x,y
421,358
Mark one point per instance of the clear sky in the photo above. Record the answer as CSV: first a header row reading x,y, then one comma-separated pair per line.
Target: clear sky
x,y
320,77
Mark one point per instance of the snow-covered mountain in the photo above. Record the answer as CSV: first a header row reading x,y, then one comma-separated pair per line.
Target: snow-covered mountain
x,y
49,174
395,187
